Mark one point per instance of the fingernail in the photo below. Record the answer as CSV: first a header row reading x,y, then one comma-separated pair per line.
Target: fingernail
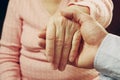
x,y
55,66
62,68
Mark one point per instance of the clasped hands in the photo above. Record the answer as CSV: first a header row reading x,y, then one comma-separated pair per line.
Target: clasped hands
x,y
73,37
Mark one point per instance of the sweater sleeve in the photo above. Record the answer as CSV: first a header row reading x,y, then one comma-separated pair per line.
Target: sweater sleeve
x,y
10,44
100,10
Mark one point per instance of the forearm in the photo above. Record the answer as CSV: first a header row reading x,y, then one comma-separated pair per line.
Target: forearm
x,y
10,44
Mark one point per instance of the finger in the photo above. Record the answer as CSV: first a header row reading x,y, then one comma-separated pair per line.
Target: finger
x,y
70,30
75,46
64,58
42,43
76,15
50,41
60,29
42,34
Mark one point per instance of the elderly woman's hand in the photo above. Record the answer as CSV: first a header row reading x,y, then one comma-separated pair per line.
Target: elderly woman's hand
x,y
59,40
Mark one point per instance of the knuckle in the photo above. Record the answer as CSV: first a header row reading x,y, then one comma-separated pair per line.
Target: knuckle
x,y
59,42
50,37
63,21
67,43
60,20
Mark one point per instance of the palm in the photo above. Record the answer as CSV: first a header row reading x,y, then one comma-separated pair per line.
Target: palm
x,y
92,34
85,58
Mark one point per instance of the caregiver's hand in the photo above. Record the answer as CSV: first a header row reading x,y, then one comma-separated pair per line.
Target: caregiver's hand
x,y
59,37
92,35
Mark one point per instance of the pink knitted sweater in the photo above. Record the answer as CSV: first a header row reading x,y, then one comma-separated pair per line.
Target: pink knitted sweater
x,y
21,57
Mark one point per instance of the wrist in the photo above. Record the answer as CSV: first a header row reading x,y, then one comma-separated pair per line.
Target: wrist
x,y
97,46
101,37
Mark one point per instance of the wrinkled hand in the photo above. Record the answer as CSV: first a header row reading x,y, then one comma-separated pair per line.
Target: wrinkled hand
x,y
92,35
60,43
59,40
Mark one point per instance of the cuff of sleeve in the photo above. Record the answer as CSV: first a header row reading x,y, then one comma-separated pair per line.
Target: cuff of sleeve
x,y
102,77
107,59
10,75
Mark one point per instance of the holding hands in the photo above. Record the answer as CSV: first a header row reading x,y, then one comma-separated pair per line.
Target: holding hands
x,y
73,37
63,39
92,34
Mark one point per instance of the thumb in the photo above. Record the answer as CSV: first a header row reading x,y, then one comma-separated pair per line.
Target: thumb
x,y
76,15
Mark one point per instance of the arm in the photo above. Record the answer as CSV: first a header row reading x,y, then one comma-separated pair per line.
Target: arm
x,y
101,10
10,44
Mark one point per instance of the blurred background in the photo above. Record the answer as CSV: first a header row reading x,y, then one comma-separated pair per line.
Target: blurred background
x,y
113,28
115,24
3,8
